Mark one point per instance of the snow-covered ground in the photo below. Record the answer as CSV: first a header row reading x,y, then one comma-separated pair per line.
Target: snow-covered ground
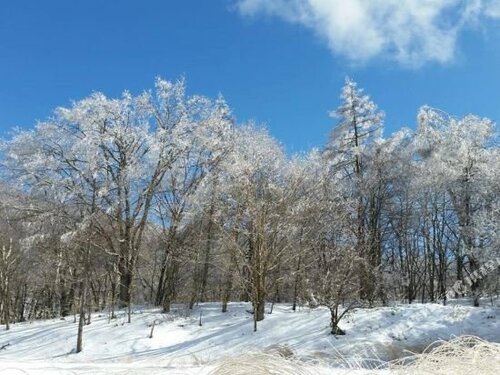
x,y
181,346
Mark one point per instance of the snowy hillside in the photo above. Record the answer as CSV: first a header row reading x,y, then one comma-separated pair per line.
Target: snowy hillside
x,y
181,346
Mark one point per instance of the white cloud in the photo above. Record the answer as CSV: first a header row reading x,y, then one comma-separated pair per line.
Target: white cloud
x,y
412,32
492,8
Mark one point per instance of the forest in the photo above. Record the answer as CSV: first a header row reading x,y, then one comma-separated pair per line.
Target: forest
x,y
162,198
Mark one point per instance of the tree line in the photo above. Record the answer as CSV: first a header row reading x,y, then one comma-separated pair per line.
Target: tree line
x,y
162,198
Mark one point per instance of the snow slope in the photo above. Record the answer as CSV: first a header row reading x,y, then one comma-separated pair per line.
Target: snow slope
x,y
181,346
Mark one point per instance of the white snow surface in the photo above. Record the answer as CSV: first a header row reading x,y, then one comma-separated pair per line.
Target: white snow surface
x,y
181,346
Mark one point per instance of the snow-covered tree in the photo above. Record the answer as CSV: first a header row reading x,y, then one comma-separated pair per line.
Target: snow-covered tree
x,y
359,124
457,152
108,157
161,198
257,203
348,152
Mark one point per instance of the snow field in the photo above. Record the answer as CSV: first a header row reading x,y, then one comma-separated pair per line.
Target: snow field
x,y
301,339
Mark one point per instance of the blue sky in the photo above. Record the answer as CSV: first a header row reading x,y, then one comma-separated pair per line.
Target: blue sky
x,y
278,62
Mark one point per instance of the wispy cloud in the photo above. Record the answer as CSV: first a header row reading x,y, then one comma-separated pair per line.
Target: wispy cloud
x,y
492,9
412,32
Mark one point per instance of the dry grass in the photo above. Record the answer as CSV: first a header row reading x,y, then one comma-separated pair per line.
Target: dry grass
x,y
468,355
465,355
262,364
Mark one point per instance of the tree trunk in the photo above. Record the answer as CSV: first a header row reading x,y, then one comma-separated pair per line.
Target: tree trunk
x,y
296,284
125,282
258,312
226,293
170,285
334,322
228,284
81,320
67,297
6,307
208,247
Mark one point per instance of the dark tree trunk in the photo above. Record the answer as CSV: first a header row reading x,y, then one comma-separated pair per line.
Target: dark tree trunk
x,y
170,285
125,282
334,322
208,248
81,320
226,293
6,308
67,297
258,312
296,282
